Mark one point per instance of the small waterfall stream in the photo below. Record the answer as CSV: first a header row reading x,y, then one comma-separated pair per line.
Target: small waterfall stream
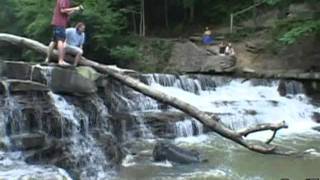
x,y
83,145
188,127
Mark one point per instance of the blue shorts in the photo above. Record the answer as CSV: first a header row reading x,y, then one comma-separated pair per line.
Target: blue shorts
x,y
59,33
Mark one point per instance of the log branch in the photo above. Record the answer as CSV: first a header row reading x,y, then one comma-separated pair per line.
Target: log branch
x,y
209,120
262,127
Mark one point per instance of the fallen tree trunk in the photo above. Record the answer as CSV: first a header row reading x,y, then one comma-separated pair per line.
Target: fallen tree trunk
x,y
207,119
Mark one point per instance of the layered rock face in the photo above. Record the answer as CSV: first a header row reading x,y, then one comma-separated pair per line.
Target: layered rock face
x,y
53,115
188,57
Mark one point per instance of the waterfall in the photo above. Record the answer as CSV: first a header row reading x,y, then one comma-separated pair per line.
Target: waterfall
x,y
145,131
186,83
102,114
188,127
92,161
238,103
13,117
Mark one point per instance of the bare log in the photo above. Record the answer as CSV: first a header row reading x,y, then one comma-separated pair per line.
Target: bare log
x,y
208,119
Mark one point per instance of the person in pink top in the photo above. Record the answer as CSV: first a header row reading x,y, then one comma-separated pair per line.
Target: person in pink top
x,y
59,22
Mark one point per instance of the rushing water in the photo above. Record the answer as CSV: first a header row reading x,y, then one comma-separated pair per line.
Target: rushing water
x,y
92,161
238,103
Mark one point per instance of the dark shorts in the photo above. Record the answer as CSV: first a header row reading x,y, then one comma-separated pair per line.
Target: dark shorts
x,y
59,33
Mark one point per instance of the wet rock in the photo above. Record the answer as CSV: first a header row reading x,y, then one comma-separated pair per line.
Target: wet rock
x,y
282,88
2,88
109,144
15,70
25,86
166,151
28,141
70,82
290,87
88,73
39,74
316,117
317,128
250,112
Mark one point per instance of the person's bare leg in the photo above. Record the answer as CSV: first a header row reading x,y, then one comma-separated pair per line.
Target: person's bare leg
x,y
61,52
77,59
50,50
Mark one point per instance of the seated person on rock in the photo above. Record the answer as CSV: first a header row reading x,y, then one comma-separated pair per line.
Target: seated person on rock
x,y
207,38
75,38
229,50
222,48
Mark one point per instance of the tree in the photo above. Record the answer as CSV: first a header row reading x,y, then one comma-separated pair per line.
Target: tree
x,y
297,27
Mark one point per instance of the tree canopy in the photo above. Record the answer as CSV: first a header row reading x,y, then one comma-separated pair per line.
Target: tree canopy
x,y
112,24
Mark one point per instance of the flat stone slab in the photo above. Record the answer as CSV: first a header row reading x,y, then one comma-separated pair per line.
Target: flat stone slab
x,y
190,58
15,85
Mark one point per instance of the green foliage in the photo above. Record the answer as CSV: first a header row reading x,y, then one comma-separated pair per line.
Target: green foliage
x,y
110,22
300,29
289,30
7,16
127,53
34,18
104,22
162,49
240,34
188,3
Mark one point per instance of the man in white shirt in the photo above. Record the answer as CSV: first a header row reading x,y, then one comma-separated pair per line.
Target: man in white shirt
x,y
229,50
75,38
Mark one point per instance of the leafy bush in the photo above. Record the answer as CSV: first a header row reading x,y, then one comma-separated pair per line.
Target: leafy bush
x,y
127,53
162,49
300,29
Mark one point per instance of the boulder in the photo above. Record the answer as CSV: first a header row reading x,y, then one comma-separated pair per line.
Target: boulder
x,y
70,82
166,151
88,72
188,57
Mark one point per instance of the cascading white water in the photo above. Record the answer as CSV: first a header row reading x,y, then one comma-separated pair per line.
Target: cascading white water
x,y
146,132
102,112
180,82
188,127
92,161
240,103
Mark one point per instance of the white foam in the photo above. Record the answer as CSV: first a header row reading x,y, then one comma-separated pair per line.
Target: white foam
x,y
192,139
163,164
240,105
128,161
213,173
313,152
12,167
